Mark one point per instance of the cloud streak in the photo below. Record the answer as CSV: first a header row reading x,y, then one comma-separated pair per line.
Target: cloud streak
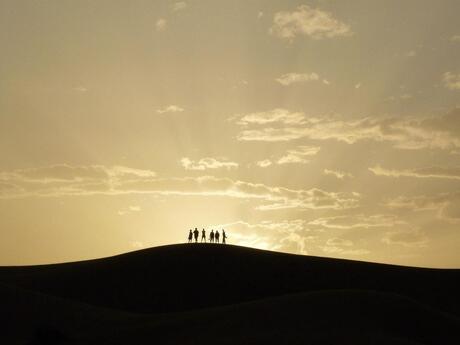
x,y
291,78
436,132
207,163
446,205
451,173
65,180
406,238
275,116
357,221
340,246
299,155
170,109
338,174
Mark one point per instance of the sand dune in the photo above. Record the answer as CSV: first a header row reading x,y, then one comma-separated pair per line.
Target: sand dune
x,y
208,294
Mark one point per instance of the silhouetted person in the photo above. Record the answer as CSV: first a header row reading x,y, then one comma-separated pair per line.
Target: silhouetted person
x,y
224,236
195,234
203,235
211,236
217,235
190,236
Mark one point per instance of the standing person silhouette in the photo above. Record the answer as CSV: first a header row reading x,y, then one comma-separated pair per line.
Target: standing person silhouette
x,y
195,234
190,236
217,235
203,235
224,236
211,236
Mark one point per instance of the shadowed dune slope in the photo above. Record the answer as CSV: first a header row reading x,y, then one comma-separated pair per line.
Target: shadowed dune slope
x,y
192,276
316,318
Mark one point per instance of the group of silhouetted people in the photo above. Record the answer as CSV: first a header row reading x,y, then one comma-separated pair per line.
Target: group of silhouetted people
x,y
214,236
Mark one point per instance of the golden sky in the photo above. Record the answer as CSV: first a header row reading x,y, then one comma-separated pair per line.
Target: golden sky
x,y
327,128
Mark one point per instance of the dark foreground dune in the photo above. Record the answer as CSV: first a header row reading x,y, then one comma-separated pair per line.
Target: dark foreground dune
x,y
213,294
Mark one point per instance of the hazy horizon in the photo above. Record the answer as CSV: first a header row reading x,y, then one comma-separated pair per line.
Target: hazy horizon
x,y
326,128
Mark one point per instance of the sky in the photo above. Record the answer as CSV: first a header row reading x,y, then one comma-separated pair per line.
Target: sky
x,y
326,128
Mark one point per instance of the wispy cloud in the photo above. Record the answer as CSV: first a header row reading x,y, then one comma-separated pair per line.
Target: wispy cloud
x,y
207,163
436,132
80,88
357,221
137,244
264,163
410,53
298,155
66,180
278,115
340,246
407,238
427,172
129,209
451,80
446,205
291,78
160,24
337,173
179,6
455,38
308,21
287,235
170,109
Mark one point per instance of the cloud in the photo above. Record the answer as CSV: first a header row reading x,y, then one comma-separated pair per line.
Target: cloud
x,y
357,86
65,180
336,173
455,38
269,134
410,53
340,246
435,132
446,205
160,25
264,163
80,89
339,242
308,21
407,238
406,96
260,14
67,173
286,236
170,109
451,80
428,172
207,163
128,210
298,155
137,244
357,221
179,6
403,97
291,78
279,115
